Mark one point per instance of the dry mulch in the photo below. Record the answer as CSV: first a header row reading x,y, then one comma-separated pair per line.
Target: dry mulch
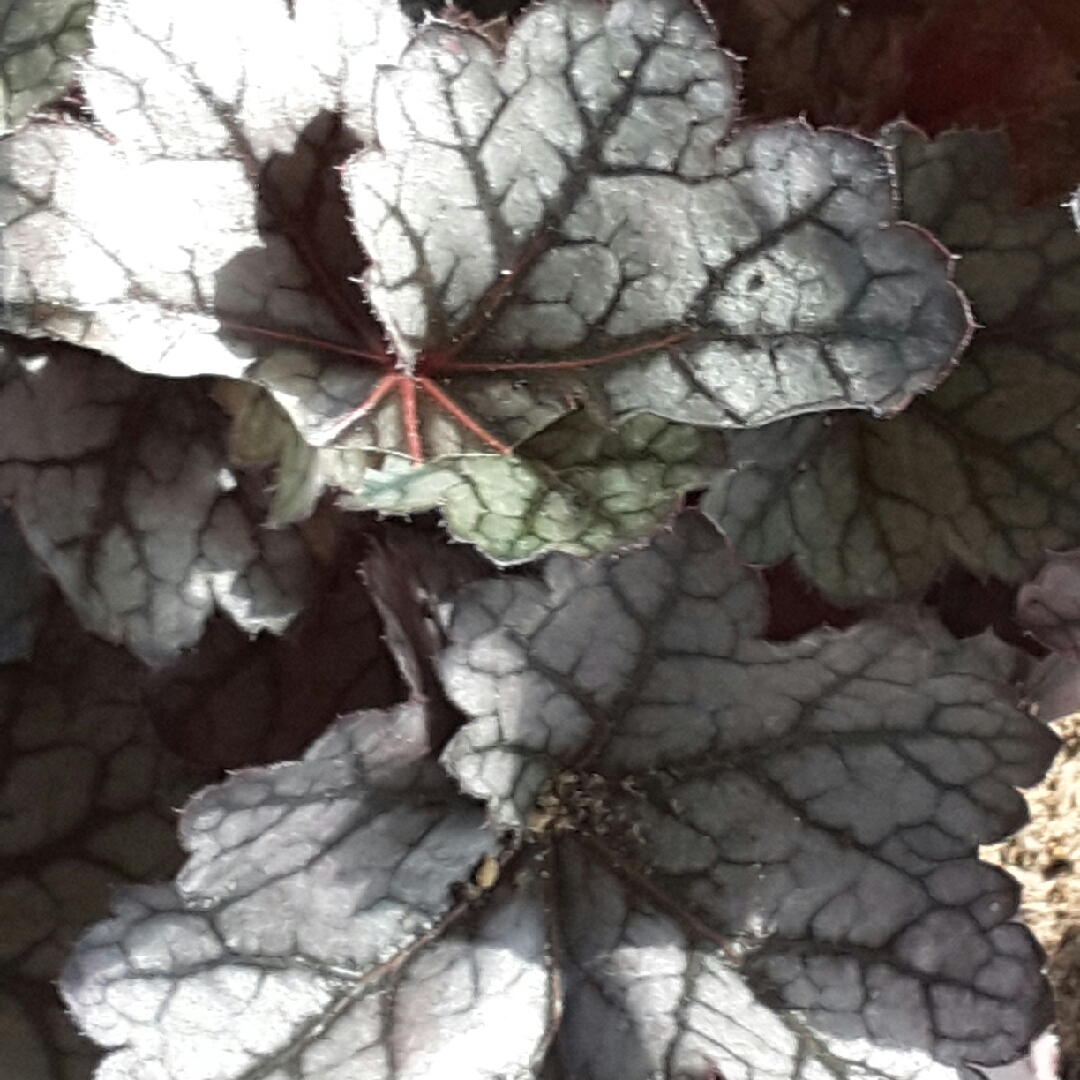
x,y
1045,858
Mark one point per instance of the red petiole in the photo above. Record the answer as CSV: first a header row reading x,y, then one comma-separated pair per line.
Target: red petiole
x,y
408,383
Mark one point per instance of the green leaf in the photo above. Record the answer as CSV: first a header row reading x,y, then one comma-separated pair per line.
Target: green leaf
x,y
579,487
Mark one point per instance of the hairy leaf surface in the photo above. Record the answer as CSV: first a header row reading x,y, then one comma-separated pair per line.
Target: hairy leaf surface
x,y
555,239
987,469
309,891
713,853
121,487
796,799
580,486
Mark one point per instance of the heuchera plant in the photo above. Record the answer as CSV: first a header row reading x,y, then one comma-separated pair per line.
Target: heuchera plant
x,y
269,264
565,255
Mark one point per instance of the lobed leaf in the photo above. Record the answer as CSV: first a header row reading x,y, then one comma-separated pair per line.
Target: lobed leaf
x,y
701,852
580,486
114,240
311,887
800,820
987,469
597,230
122,490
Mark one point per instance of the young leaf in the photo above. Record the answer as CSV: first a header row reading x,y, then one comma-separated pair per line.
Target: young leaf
x,y
22,592
713,853
570,226
987,469
580,486
121,487
39,42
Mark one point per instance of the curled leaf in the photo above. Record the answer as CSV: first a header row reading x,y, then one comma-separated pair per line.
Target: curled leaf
x,y
1049,606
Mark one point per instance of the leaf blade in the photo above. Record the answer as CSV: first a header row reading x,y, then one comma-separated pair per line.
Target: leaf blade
x,y
985,469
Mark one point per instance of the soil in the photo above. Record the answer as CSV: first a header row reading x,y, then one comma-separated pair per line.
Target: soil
x,y
1045,858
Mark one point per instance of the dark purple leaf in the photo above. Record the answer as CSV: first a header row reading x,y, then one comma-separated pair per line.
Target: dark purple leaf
x,y
87,793
234,701
22,592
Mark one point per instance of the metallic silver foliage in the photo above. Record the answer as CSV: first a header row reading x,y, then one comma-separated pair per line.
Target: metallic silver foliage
x,y
768,852
292,940
564,241
654,260
986,470
122,490
701,853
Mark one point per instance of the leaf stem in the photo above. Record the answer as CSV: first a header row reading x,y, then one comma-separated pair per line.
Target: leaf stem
x,y
449,364
409,418
382,359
